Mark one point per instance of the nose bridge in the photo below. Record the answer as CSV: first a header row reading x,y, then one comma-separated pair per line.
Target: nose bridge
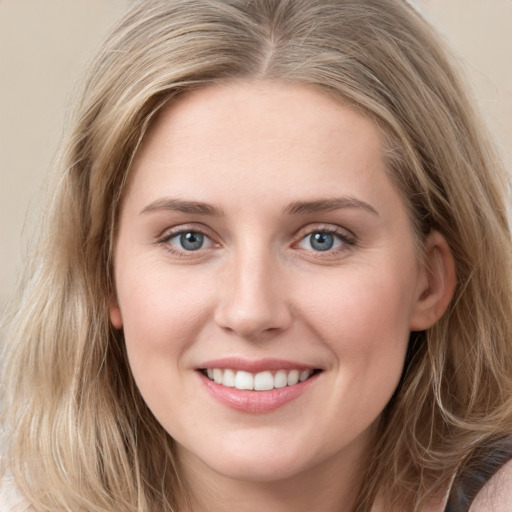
x,y
253,298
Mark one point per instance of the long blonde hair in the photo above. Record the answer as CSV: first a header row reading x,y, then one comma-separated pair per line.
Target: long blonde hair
x,y
77,434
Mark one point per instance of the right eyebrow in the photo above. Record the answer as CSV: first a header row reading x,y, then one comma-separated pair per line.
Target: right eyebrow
x,y
329,204
178,205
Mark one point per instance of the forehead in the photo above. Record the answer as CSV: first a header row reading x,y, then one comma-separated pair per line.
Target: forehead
x,y
289,110
265,130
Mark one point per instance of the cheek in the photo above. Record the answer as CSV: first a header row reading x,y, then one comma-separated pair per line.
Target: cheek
x,y
364,320
375,304
367,331
162,312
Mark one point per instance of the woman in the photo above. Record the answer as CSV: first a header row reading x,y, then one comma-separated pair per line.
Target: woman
x,y
275,273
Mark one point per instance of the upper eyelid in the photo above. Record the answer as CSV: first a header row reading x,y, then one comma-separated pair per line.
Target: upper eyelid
x,y
167,235
170,232
346,236
328,228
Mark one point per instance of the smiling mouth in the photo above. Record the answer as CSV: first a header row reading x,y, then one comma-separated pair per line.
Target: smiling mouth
x,y
261,381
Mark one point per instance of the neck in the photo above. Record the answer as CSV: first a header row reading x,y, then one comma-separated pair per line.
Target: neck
x,y
330,487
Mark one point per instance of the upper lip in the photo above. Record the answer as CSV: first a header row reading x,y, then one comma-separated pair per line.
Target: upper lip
x,y
254,366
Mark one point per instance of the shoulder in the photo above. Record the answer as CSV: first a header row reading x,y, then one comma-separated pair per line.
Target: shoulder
x,y
10,499
496,495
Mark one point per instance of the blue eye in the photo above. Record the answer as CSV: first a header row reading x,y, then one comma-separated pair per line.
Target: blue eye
x,y
323,241
188,240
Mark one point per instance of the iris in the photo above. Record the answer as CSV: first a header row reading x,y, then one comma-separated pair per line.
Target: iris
x,y
191,241
321,241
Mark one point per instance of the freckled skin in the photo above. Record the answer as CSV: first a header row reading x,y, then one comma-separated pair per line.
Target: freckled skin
x,y
258,288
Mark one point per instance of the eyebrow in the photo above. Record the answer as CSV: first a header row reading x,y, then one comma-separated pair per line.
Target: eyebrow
x,y
178,205
295,208
327,205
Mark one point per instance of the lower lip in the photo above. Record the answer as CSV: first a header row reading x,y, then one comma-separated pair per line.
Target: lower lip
x,y
256,402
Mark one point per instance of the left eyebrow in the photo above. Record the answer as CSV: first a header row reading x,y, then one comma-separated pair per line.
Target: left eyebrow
x,y
178,205
327,205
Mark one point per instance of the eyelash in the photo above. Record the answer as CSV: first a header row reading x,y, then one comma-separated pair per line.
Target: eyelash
x,y
345,240
183,253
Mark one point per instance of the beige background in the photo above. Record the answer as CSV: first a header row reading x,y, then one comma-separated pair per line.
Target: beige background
x,y
45,43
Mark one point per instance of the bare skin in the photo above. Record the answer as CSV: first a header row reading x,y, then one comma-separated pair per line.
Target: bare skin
x,y
259,229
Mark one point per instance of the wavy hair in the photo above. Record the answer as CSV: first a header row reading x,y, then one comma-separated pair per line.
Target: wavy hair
x,y
77,434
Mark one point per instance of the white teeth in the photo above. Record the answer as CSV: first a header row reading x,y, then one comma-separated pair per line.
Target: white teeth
x,y
293,377
217,376
304,375
244,380
229,378
262,381
280,379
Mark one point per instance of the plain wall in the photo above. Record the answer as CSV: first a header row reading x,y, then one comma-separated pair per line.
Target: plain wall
x,y
45,43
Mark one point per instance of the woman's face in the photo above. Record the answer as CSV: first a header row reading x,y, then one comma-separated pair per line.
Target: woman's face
x,y
262,243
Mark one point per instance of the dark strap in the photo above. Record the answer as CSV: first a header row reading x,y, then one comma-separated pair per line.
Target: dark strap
x,y
477,471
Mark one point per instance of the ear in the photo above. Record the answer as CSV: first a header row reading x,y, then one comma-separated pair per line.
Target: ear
x,y
114,314
436,284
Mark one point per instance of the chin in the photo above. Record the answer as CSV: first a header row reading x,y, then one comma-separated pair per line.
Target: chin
x,y
261,470
252,464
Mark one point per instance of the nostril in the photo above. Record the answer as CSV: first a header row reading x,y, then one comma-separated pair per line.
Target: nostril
x,y
251,325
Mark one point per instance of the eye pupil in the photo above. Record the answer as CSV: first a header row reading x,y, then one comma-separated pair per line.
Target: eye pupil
x,y
322,241
191,241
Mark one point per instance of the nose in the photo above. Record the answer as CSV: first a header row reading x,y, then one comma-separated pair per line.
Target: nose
x,y
253,298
